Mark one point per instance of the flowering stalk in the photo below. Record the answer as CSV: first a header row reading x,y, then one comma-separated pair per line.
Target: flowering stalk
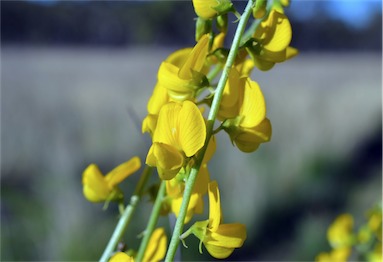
x,y
174,242
127,214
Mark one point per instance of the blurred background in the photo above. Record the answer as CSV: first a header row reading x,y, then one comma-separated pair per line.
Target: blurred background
x,y
75,80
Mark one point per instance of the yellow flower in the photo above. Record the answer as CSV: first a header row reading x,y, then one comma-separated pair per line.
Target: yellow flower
x,y
175,189
273,37
155,251
208,9
159,98
179,134
247,124
339,234
121,257
182,73
98,188
219,239
336,255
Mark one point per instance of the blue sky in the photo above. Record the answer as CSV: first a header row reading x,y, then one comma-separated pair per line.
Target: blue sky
x,y
356,13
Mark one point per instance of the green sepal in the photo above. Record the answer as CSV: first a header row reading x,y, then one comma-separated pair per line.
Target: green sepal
x,y
202,27
222,22
224,7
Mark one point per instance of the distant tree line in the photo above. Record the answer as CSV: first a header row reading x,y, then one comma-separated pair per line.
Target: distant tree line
x,y
125,23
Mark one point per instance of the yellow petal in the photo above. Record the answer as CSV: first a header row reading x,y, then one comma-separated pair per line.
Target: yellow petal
x,y
122,171
253,107
156,247
121,257
263,64
196,58
193,203
211,147
174,188
204,8
168,77
95,187
250,138
202,181
291,52
149,124
278,32
167,130
166,158
227,235
219,252
158,99
192,129
179,57
214,206
232,88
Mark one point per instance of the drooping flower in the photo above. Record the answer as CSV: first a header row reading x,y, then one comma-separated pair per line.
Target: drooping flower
x,y
219,239
155,251
273,37
244,108
99,188
180,134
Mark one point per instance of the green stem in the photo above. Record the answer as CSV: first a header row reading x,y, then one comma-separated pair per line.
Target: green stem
x,y
209,129
126,215
152,222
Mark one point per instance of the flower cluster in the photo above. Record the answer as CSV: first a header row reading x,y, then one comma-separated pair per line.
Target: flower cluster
x,y
366,242
183,137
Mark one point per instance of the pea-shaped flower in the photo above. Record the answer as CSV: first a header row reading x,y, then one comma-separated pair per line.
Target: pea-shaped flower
x,y
219,239
179,134
246,121
182,72
273,37
99,188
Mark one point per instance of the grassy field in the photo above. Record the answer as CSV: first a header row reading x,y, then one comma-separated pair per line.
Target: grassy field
x,y
62,109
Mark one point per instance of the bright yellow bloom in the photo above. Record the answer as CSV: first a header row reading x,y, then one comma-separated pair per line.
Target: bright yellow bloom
x,y
99,188
243,104
273,37
208,9
182,73
121,257
155,251
159,98
179,134
219,239
340,234
336,255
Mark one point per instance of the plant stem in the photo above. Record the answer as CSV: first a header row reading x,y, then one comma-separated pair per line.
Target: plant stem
x,y
209,130
152,222
126,215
